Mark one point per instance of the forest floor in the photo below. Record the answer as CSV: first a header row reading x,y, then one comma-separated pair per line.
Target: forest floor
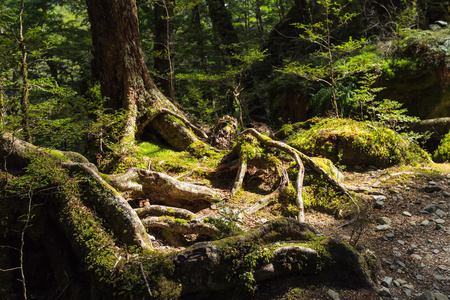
x,y
413,251
405,224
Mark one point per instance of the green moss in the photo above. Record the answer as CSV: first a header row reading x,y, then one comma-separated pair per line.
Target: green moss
x,y
57,155
442,153
357,143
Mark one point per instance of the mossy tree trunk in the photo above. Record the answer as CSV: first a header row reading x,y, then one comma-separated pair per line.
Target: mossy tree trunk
x,y
123,74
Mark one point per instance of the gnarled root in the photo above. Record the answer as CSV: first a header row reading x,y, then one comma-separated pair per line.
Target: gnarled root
x,y
195,226
203,267
108,203
164,189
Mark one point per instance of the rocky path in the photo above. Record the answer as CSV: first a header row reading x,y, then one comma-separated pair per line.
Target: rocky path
x,y
408,229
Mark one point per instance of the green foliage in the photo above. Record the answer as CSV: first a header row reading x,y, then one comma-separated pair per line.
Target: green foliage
x,y
243,259
327,65
442,153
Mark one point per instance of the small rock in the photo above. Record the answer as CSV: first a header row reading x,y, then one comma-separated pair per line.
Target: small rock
x,y
416,256
333,294
405,213
440,296
443,267
401,264
384,292
387,261
345,238
397,254
446,194
378,204
407,292
387,281
431,189
440,213
439,221
435,251
424,223
382,228
384,221
430,208
401,281
412,223
409,235
420,277
379,197
432,183
401,242
439,277
390,235
408,286
427,295
439,227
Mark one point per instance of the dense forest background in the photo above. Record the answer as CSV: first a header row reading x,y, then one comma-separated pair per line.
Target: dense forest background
x,y
215,58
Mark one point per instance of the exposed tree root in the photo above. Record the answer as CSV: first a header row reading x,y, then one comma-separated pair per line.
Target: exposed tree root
x,y
107,202
284,182
164,189
204,265
195,226
161,210
299,157
239,177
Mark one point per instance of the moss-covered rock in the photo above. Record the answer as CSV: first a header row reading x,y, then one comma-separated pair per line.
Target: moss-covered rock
x,y
442,153
351,143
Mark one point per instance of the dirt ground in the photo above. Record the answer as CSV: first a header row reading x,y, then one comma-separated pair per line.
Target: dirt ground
x,y
414,251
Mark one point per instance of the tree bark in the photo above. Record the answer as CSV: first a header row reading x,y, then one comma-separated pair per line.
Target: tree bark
x,y
222,24
163,49
24,102
123,74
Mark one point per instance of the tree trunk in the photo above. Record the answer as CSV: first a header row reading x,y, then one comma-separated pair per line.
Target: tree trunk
x,y
222,24
24,105
163,49
123,74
